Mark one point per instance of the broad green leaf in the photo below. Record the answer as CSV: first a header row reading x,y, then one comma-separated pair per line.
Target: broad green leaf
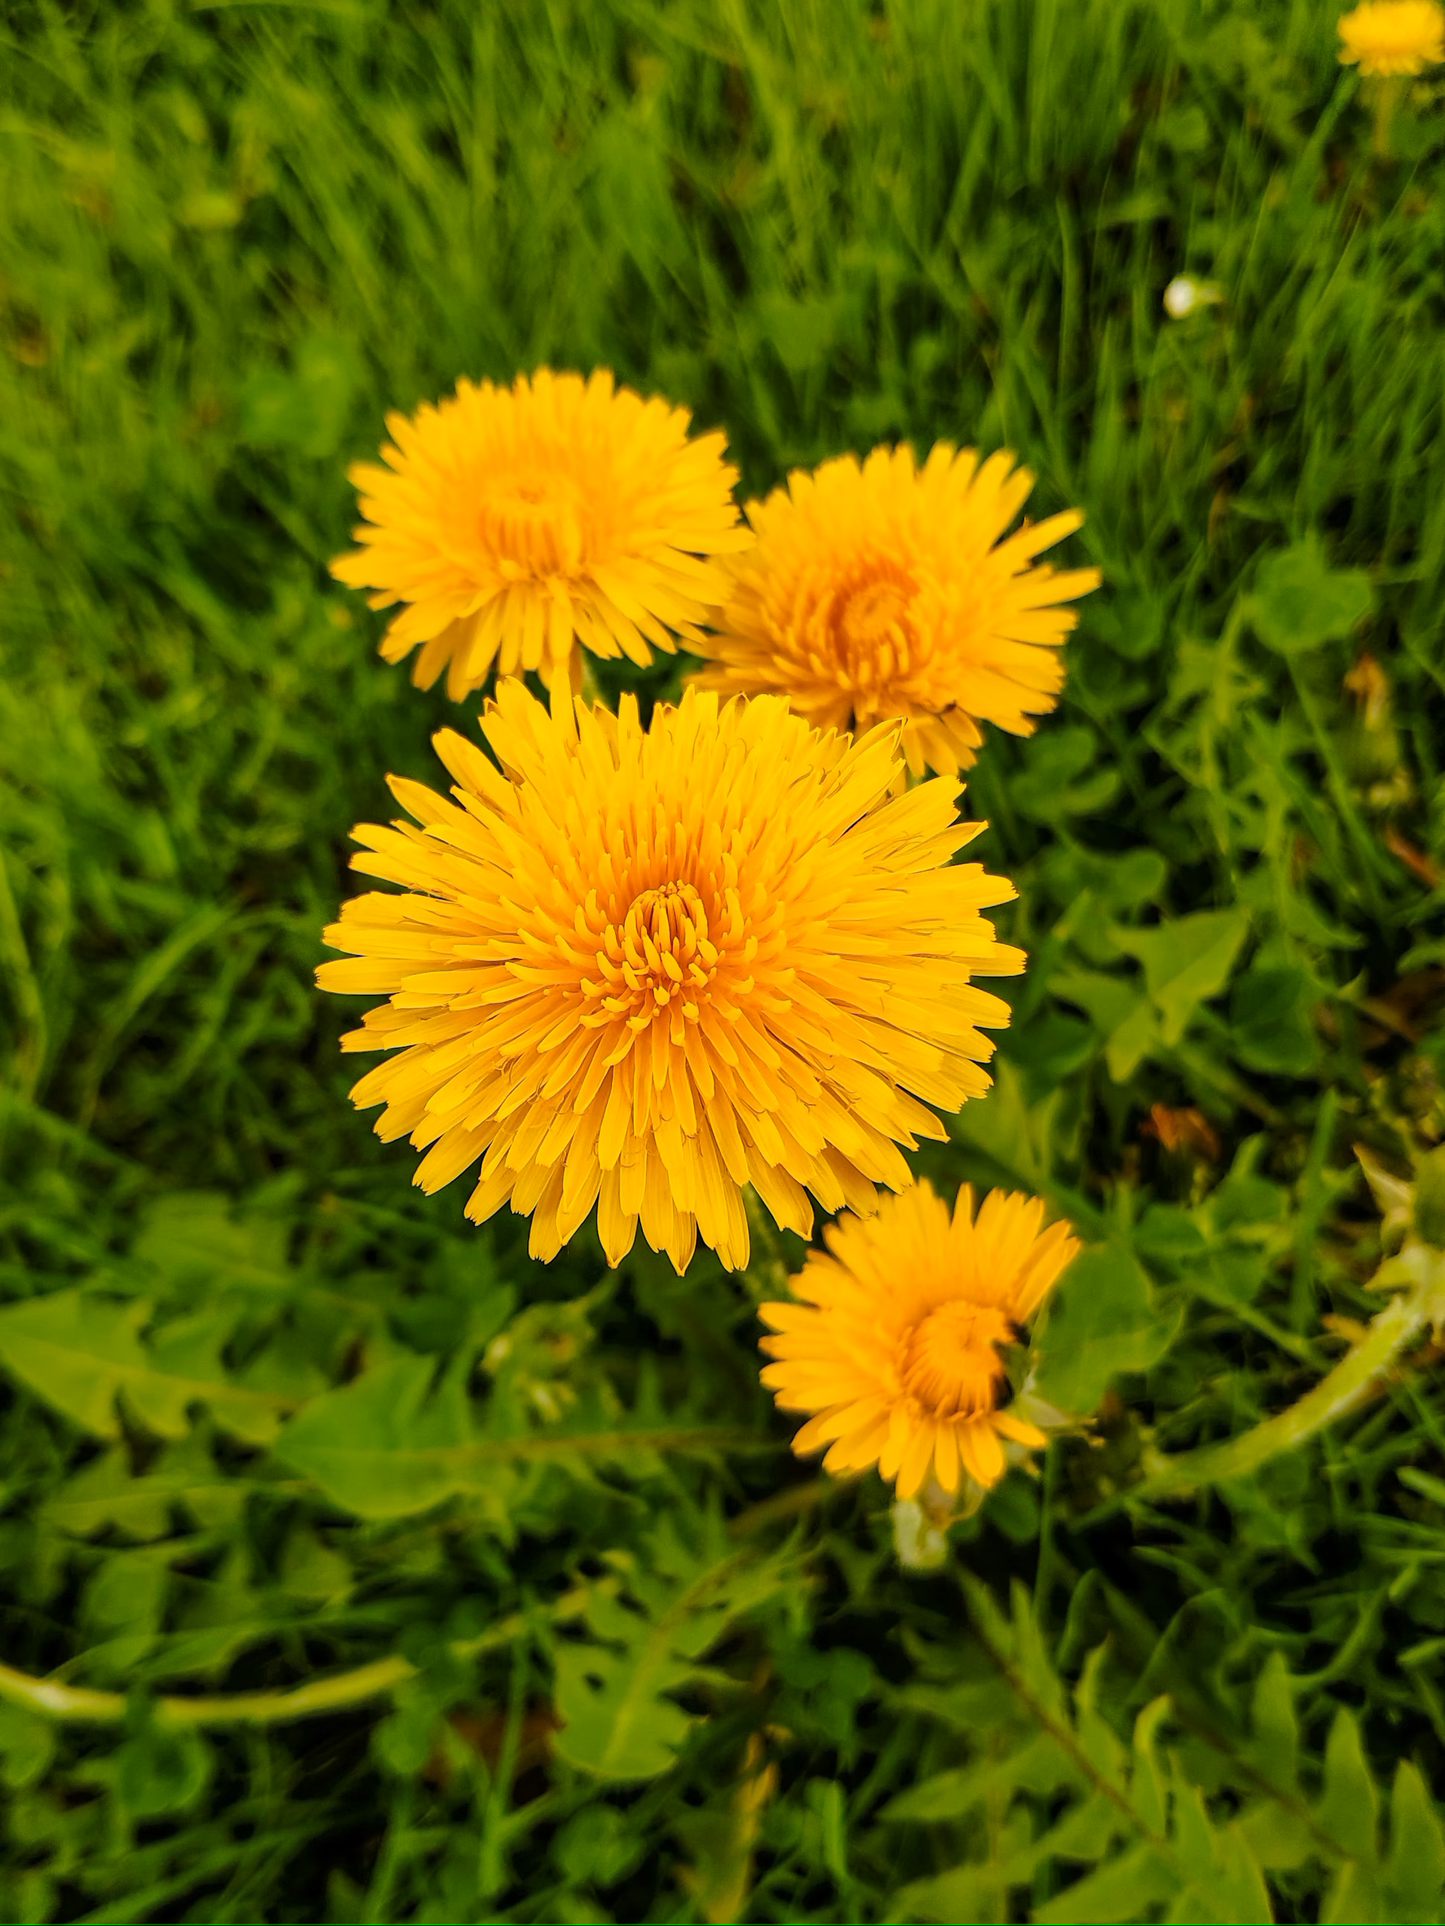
x,y
105,1492
386,1445
1169,1235
1231,1890
76,1353
80,1352
1120,1890
1147,1789
963,1892
1103,1320
1348,1809
1186,961
1299,601
1414,1872
1278,1837
1052,783
193,1238
1193,1836
1269,1020
1010,1130
1274,1726
160,1770
27,1745
1041,1766
1354,1897
1124,1017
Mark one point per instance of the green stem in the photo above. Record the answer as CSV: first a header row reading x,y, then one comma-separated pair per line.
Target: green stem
x,y
1352,1383
80,1705
1387,93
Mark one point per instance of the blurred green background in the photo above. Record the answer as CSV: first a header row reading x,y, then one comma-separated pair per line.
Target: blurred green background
x,y
231,237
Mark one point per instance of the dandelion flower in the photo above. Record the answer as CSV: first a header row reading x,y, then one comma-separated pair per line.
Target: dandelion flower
x,y
1393,36
895,1347
882,591
515,522
642,968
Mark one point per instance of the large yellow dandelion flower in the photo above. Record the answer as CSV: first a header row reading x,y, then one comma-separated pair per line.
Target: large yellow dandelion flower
x,y
881,591
1393,36
643,968
895,1347
515,522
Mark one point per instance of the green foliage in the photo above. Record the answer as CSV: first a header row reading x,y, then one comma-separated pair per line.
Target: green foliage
x,y
1052,1787
276,1430
650,1624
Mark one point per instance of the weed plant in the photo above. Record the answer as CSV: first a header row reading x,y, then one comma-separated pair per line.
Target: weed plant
x,y
268,1417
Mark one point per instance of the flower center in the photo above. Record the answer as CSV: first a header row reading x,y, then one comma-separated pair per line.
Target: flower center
x,y
659,957
950,1361
864,632
531,525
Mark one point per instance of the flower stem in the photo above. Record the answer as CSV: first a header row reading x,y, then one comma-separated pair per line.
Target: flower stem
x,y
80,1705
1387,93
1354,1380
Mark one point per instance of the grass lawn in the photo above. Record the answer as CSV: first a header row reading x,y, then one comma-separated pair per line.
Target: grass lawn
x,y
578,1638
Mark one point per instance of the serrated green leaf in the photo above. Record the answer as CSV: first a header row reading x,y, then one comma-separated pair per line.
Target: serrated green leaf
x,y
105,1492
1354,1897
80,1352
1277,1836
1186,962
1192,1834
1348,1810
1039,1765
1231,1890
1120,1890
387,1445
1146,1789
384,1446
1299,601
192,1237
618,1720
1273,1724
1413,1875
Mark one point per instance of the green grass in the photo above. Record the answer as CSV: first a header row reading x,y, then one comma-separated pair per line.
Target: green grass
x,y
231,237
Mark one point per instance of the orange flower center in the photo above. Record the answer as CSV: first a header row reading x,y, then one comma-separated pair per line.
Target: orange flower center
x,y
950,1361
660,955
861,633
533,525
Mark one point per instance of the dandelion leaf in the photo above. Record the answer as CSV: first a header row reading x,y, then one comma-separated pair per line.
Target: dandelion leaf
x,y
1104,1321
649,1625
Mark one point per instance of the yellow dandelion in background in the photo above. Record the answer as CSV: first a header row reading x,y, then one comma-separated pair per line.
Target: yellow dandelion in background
x,y
1393,36
895,1347
515,522
881,591
642,968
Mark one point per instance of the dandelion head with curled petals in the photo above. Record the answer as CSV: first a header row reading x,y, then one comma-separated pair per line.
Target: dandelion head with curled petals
x,y
514,524
881,591
894,1346
643,968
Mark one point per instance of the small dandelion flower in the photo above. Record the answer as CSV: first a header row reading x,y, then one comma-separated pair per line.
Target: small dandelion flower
x,y
895,1348
641,969
1393,36
514,523
881,591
